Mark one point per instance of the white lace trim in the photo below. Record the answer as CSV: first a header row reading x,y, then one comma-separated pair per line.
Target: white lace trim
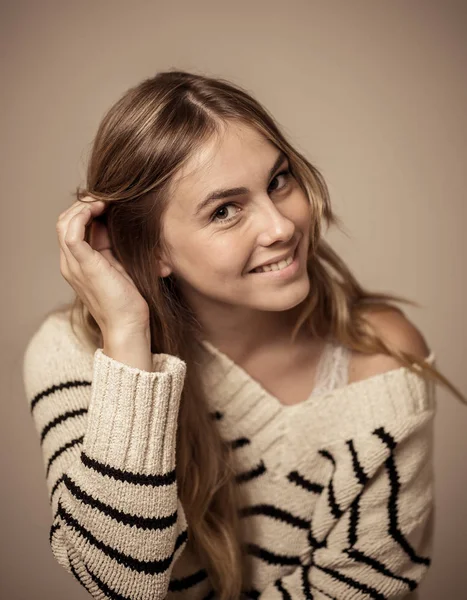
x,y
332,371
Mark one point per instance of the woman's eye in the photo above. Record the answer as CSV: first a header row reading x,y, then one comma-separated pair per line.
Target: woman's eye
x,y
220,215
286,173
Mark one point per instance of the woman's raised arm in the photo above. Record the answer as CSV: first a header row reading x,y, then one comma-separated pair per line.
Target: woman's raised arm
x,y
107,432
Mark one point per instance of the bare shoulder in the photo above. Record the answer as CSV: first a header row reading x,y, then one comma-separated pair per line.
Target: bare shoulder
x,y
395,328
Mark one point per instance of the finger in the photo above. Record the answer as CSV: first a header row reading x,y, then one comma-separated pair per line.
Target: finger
x,y
69,266
69,209
62,226
74,238
63,222
65,254
70,270
64,270
95,205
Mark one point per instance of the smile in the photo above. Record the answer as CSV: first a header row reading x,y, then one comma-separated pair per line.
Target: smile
x,y
282,270
275,266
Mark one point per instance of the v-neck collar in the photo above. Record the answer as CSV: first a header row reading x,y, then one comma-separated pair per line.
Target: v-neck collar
x,y
224,372
246,409
230,367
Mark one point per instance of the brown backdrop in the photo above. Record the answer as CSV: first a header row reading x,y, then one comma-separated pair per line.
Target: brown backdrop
x,y
374,92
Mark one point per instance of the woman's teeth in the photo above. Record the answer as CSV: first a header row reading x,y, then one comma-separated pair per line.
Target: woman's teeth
x,y
275,266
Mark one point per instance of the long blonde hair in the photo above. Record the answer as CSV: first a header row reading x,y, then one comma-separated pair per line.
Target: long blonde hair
x,y
141,143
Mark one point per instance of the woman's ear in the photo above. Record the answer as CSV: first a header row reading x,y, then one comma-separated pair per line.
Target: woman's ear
x,y
164,268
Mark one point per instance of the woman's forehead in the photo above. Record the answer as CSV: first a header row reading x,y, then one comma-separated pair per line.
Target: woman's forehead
x,y
228,160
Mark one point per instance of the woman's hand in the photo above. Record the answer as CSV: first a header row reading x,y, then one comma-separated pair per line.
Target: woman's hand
x,y
95,274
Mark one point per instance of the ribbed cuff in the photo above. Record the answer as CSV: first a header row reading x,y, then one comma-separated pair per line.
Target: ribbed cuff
x,y
133,414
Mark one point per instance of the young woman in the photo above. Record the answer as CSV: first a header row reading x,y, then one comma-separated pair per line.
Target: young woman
x,y
224,412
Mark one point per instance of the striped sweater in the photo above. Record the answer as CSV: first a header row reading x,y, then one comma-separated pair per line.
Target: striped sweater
x,y
338,489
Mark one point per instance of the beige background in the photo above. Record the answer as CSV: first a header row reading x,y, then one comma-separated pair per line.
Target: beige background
x,y
374,92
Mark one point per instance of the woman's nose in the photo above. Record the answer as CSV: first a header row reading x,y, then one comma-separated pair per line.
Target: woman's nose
x,y
273,226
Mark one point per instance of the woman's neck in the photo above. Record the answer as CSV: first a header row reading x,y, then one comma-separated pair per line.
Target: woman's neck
x,y
265,333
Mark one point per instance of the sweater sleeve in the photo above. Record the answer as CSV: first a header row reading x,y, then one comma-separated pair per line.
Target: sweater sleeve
x,y
371,533
107,433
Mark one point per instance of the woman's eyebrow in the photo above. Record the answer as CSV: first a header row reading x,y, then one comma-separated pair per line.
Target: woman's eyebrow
x,y
227,193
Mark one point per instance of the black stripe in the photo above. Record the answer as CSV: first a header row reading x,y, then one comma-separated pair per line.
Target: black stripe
x,y
360,474
53,529
260,469
285,594
69,414
335,509
353,520
141,566
252,593
328,455
372,593
314,543
76,575
269,510
315,587
183,583
270,557
379,567
56,484
57,388
109,593
295,477
394,529
60,451
151,523
128,476
115,596
386,438
305,582
239,442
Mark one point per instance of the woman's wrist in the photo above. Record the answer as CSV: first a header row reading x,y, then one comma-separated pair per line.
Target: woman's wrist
x,y
131,347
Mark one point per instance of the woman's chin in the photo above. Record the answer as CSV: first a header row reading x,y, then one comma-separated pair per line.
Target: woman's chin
x,y
284,299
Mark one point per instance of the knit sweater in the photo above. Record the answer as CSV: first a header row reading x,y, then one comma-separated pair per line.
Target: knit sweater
x,y
338,488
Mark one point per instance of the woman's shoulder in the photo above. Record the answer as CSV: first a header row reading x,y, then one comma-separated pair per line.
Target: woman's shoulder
x,y
53,330
396,329
381,392
53,345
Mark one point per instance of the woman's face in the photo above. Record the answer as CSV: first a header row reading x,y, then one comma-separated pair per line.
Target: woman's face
x,y
214,244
